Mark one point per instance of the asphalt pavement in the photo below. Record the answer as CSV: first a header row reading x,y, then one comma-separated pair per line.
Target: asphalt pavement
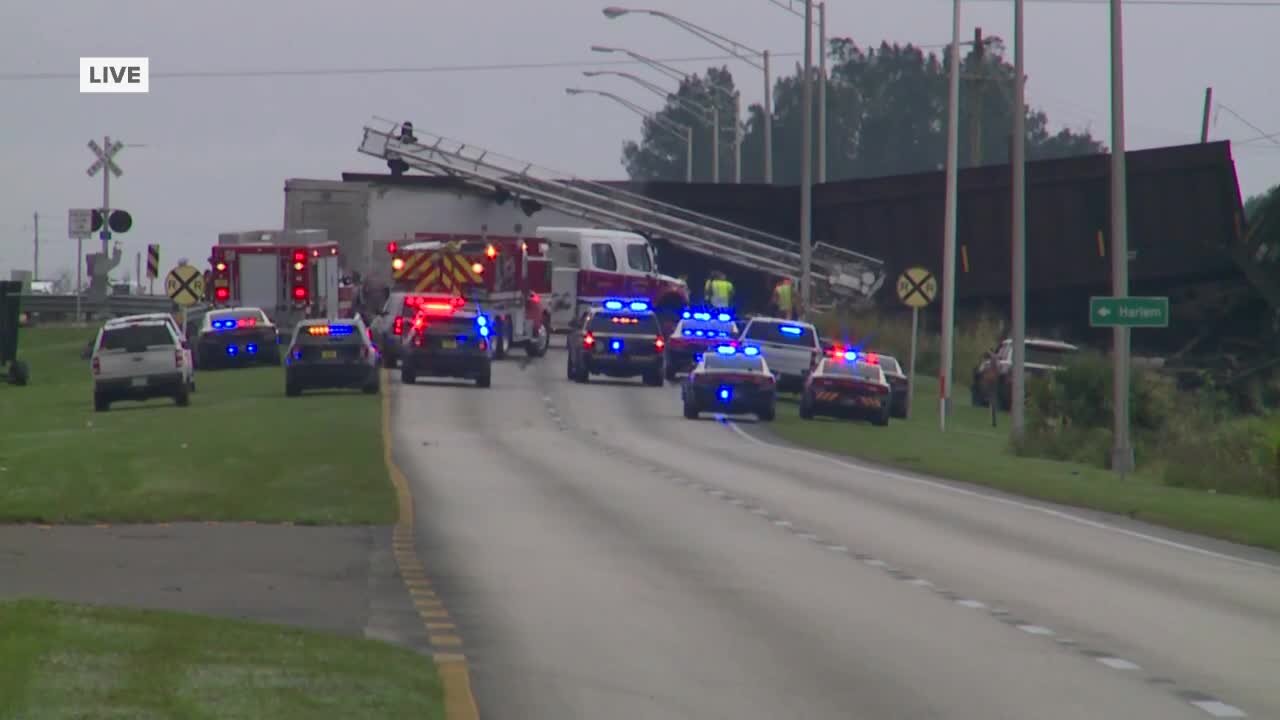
x,y
603,557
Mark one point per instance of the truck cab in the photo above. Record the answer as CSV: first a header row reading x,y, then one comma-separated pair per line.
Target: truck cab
x,y
590,265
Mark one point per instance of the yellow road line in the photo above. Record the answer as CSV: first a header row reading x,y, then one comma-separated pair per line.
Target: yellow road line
x,y
455,678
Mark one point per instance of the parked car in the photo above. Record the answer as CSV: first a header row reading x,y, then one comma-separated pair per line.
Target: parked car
x,y
1041,356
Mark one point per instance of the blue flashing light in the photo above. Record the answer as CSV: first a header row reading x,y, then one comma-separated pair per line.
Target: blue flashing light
x,y
639,306
231,350
341,330
702,316
724,317
726,350
686,314
612,304
851,356
751,351
297,354
791,330
482,321
615,345
725,394
484,331
251,349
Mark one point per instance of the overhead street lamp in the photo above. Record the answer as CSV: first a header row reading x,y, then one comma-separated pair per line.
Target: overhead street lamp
x,y
699,109
681,76
675,128
758,59
821,8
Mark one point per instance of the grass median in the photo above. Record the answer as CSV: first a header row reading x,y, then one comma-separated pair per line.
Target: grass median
x,y
973,451
63,661
240,451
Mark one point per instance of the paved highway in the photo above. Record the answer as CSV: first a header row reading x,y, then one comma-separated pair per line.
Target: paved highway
x,y
605,558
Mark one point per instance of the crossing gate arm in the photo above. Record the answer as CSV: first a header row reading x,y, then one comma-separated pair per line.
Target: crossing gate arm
x,y
846,272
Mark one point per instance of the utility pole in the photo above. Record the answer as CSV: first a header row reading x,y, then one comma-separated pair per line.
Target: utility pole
x,y
949,224
822,92
976,84
715,143
1204,121
1017,158
1122,451
806,167
35,262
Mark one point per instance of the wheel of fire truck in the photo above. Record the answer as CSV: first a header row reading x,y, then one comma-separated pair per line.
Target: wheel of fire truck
x,y
541,342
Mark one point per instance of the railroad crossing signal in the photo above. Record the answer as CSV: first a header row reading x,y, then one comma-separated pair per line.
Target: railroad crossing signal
x,y
184,285
917,287
105,158
118,221
153,261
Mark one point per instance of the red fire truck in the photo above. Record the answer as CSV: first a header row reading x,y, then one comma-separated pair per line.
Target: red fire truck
x,y
288,282
506,276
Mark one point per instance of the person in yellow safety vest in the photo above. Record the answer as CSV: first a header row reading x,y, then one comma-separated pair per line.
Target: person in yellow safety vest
x,y
719,291
784,299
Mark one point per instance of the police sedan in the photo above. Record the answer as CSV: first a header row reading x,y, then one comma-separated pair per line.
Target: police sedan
x,y
732,381
236,336
448,337
846,386
619,338
697,332
327,354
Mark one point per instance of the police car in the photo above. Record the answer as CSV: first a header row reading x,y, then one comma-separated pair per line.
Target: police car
x,y
234,336
331,354
619,338
730,380
697,332
847,384
448,337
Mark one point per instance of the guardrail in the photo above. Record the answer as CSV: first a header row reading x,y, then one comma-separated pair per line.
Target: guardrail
x,y
111,305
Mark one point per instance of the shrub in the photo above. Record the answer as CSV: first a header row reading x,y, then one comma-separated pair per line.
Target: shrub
x,y
891,333
1237,457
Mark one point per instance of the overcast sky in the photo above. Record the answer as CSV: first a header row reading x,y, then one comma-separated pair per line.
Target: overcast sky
x,y
217,150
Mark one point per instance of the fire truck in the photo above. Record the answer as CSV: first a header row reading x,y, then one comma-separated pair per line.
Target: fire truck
x,y
506,276
289,282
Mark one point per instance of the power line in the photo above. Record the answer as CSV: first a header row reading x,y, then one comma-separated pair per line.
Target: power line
x,y
1156,3
332,72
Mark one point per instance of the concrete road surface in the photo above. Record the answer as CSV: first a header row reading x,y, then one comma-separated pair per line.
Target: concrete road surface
x,y
605,558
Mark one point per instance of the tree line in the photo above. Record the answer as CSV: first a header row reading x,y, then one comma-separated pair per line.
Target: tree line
x,y
886,115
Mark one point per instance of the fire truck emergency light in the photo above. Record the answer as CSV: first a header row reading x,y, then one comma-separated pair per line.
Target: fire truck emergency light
x,y
221,267
491,252
392,247
397,264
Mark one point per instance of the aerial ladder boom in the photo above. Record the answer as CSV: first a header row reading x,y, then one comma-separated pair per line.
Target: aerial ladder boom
x,y
841,273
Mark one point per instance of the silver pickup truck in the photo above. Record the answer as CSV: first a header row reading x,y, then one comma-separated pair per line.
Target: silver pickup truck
x,y
791,348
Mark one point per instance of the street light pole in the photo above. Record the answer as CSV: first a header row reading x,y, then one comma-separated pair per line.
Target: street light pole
x,y
1122,451
768,121
1017,408
715,144
949,225
806,165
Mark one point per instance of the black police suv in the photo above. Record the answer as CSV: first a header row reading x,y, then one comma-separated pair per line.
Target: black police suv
x,y
617,339
328,354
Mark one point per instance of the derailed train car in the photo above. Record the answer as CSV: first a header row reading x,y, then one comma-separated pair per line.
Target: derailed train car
x,y
1184,203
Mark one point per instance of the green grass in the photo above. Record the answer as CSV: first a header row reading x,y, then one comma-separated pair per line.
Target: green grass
x,y
972,451
72,661
241,451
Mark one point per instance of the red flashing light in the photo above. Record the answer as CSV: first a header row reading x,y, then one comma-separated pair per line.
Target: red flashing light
x,y
246,322
438,306
299,256
871,359
588,340
398,328
491,252
221,294
535,298
659,343
299,293
392,247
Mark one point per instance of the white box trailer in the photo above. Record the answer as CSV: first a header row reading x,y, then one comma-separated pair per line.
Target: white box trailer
x,y
364,213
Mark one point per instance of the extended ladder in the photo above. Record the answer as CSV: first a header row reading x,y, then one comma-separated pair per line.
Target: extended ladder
x,y
841,272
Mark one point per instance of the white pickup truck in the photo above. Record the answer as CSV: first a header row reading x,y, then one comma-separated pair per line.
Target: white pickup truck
x,y
139,361
790,347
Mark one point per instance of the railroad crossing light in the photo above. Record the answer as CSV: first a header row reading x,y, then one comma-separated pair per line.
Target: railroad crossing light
x,y
392,247
118,221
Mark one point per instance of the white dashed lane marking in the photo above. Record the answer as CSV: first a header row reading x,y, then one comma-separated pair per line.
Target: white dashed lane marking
x,y
1201,701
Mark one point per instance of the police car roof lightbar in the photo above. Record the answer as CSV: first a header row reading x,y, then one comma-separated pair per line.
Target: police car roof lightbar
x,y
633,305
791,330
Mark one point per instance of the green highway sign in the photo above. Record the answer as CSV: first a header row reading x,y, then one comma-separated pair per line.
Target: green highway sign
x,y
1149,312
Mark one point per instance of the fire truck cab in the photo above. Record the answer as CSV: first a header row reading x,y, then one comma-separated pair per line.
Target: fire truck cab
x,y
590,265
289,282
507,277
